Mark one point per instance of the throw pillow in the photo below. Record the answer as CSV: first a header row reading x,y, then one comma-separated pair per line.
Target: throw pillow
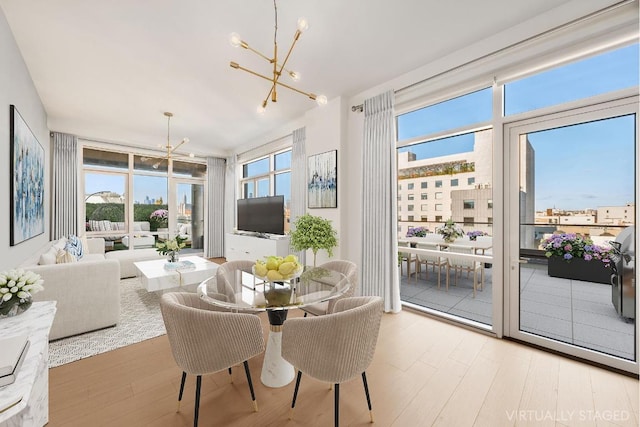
x,y
72,249
64,257
76,243
49,257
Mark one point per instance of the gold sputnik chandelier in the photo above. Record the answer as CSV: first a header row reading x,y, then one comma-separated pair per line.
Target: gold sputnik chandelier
x,y
168,147
277,67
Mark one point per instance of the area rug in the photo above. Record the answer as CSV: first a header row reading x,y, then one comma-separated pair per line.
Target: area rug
x,y
140,319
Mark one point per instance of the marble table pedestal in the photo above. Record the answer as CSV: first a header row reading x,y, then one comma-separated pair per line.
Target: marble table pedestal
x,y
276,372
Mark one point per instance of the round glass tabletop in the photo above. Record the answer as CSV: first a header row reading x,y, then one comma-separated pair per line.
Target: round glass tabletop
x,y
246,291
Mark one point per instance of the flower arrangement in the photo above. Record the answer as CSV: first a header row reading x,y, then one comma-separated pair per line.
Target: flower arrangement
x,y
16,290
171,246
475,233
571,245
159,218
417,232
450,231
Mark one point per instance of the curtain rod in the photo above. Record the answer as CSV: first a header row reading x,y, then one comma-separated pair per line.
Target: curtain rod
x,y
360,107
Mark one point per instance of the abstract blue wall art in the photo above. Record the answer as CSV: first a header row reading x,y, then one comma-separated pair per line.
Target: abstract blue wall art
x,y
27,181
322,180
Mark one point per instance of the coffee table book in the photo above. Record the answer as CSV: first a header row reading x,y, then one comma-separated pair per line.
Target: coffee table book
x,y
14,350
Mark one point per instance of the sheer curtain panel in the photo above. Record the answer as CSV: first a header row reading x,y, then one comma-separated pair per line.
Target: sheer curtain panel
x,y
230,186
64,187
216,170
379,216
298,181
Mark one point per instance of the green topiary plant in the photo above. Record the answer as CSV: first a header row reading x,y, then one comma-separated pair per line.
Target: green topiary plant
x,y
313,232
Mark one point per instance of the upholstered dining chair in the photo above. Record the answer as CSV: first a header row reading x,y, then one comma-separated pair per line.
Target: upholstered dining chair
x,y
204,340
334,348
350,270
229,277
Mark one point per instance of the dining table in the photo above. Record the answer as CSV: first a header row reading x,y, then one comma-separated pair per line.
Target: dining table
x,y
255,294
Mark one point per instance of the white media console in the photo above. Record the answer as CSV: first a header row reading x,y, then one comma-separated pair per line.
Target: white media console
x,y
245,247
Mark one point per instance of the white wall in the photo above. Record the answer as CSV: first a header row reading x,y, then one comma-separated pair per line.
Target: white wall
x,y
17,88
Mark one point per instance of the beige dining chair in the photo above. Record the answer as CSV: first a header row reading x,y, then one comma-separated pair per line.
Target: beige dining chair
x,y
429,260
229,277
204,340
463,264
350,271
404,257
334,348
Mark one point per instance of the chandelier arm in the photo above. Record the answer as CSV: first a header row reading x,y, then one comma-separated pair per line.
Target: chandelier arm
x,y
239,67
260,54
286,58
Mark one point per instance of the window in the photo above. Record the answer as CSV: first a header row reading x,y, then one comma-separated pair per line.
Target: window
x,y
439,196
410,218
410,208
490,204
471,181
410,186
438,207
119,199
464,110
269,176
438,218
438,184
468,204
410,197
454,182
468,221
578,80
490,220
424,207
423,218
423,184
423,196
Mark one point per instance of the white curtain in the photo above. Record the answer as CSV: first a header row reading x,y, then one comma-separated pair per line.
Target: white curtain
x,y
64,188
298,181
379,216
214,242
230,197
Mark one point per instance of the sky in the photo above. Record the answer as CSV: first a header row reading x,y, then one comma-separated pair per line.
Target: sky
x,y
576,167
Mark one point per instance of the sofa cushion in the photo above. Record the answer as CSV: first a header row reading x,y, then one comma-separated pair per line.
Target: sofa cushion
x,y
63,257
92,257
48,257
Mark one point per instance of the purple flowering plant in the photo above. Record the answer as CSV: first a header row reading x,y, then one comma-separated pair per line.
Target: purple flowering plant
x,y
475,233
571,245
417,232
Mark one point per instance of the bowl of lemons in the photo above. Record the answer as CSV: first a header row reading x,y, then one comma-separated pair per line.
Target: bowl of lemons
x,y
276,268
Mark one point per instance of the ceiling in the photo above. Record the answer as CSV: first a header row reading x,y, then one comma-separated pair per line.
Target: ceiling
x,y
107,70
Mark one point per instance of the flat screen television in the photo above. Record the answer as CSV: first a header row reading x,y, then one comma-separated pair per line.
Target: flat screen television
x,y
264,215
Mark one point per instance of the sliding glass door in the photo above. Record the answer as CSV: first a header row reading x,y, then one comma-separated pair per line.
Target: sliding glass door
x,y
571,251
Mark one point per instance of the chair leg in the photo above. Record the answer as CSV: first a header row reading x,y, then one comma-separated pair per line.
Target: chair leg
x,y
337,406
197,406
253,396
305,314
230,377
295,393
366,391
184,377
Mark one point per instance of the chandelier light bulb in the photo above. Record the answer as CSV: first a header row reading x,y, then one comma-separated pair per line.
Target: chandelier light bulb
x,y
235,40
261,109
303,24
321,100
295,76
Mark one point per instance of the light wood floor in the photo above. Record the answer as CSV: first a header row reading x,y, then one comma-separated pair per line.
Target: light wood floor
x,y
424,373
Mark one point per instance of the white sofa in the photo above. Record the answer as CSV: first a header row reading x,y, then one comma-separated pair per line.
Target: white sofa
x,y
87,291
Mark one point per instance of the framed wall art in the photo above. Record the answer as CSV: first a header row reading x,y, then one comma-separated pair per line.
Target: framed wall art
x,y
27,181
322,180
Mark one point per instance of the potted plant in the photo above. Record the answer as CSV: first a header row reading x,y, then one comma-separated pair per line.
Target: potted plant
x,y
473,235
171,247
572,256
417,232
313,232
450,231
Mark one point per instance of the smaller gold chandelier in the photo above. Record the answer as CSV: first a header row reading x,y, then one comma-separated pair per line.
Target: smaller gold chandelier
x,y
278,68
170,148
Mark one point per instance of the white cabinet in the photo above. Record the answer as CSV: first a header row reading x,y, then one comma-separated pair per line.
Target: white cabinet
x,y
239,247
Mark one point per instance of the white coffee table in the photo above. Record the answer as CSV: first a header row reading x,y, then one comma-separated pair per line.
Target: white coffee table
x,y
155,277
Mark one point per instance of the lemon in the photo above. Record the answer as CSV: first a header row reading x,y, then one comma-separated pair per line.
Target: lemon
x,y
274,275
260,269
286,268
273,262
291,258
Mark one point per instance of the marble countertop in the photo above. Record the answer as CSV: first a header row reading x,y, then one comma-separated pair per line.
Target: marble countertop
x,y
36,322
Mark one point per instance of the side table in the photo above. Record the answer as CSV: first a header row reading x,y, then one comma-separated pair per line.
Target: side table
x,y
25,402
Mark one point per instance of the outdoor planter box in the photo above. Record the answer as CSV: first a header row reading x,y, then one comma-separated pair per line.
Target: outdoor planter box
x,y
579,269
